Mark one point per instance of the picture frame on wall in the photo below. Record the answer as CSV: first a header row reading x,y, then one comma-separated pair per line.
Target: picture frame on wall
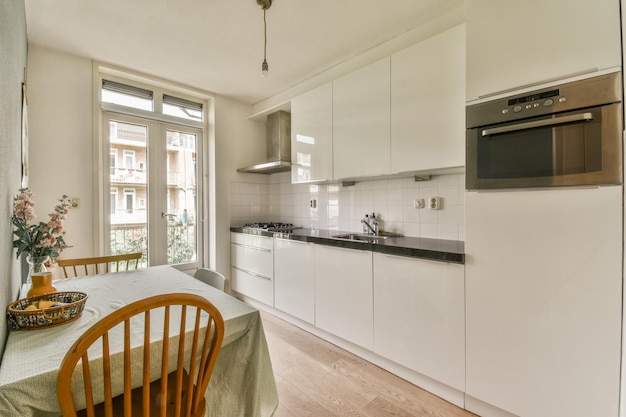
x,y
24,136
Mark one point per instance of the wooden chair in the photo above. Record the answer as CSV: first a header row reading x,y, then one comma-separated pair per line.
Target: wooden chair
x,y
212,278
100,264
173,394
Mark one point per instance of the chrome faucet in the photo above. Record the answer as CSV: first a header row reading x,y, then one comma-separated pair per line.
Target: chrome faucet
x,y
370,226
374,224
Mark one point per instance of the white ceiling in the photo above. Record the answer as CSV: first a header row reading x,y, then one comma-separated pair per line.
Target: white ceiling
x,y
217,45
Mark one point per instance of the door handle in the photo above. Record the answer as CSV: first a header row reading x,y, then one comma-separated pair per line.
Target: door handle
x,y
167,215
582,117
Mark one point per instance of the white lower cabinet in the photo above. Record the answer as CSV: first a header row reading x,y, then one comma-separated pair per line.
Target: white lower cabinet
x,y
252,266
545,310
406,311
344,293
419,316
294,279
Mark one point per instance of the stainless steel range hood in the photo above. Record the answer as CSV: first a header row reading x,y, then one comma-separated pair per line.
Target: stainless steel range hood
x,y
278,145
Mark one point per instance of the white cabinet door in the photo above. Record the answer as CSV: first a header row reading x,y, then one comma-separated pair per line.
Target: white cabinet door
x,y
361,122
428,104
419,319
294,278
343,294
544,300
312,135
514,43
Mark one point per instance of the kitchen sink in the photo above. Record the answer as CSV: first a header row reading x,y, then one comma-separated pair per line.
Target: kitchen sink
x,y
361,238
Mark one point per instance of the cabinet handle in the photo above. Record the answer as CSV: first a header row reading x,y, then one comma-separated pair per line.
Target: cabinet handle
x,y
256,274
252,247
434,261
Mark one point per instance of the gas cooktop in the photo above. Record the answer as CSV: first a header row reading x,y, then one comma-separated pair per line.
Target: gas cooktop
x,y
271,226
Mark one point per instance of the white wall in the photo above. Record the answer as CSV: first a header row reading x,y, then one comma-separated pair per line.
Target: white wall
x,y
61,120
274,198
60,126
12,64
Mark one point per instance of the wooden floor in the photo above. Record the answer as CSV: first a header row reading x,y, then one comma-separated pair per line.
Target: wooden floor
x,y
317,379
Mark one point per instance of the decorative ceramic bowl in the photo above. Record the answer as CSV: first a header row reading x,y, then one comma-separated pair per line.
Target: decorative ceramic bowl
x,y
45,310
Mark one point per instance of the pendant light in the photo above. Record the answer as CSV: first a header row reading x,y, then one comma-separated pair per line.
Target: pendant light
x,y
264,5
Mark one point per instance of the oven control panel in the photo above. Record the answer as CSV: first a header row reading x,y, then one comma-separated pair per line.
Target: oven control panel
x,y
590,92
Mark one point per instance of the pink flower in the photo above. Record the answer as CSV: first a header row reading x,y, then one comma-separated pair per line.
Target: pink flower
x,y
39,239
23,208
47,241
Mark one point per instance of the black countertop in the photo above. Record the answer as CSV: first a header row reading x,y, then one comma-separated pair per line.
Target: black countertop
x,y
414,247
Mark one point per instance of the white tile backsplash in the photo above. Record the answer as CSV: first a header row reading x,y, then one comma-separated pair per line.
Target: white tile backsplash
x,y
342,208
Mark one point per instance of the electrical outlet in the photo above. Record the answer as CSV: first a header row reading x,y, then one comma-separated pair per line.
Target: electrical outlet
x,y
435,203
313,203
419,203
75,202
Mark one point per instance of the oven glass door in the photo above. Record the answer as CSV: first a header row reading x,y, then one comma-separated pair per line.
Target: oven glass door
x,y
571,148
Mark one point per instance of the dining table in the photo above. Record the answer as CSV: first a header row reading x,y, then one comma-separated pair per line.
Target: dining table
x,y
242,383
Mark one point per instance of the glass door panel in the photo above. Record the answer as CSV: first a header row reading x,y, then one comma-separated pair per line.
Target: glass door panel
x,y
182,203
128,188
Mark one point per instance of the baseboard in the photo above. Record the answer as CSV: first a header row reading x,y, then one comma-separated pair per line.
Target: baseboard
x,y
484,409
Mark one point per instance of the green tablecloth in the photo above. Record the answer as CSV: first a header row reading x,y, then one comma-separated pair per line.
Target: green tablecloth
x,y
242,384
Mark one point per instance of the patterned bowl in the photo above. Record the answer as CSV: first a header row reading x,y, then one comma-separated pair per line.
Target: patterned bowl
x,y
66,306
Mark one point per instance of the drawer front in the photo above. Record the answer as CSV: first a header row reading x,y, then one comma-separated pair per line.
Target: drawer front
x,y
252,259
252,240
254,286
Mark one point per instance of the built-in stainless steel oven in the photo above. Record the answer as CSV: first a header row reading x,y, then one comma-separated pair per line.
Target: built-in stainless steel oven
x,y
563,135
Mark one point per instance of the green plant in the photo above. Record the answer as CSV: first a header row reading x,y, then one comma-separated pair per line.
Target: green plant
x,y
181,244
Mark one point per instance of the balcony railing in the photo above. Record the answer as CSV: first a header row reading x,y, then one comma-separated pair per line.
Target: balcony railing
x,y
138,176
128,175
181,241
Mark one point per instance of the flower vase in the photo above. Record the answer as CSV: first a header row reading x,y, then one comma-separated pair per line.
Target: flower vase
x,y
37,265
42,284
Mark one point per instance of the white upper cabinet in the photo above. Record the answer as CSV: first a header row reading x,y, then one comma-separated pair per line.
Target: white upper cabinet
x,y
511,44
428,104
361,122
312,135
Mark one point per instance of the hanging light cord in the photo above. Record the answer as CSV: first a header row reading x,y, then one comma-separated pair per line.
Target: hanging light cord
x,y
264,5
264,36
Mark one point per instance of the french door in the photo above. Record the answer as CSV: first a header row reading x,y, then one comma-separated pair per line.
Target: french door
x,y
154,190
